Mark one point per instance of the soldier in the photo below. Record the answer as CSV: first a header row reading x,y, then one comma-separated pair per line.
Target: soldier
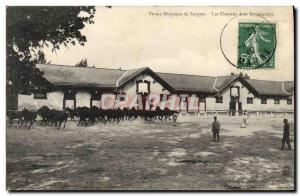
x,y
174,117
216,129
247,117
286,135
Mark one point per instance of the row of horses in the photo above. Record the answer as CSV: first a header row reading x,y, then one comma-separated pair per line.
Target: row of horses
x,y
86,116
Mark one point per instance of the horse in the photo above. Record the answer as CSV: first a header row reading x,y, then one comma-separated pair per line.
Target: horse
x,y
94,113
84,115
60,117
44,113
28,117
52,116
72,113
13,115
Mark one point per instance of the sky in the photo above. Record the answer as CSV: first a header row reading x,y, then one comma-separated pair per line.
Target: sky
x,y
178,40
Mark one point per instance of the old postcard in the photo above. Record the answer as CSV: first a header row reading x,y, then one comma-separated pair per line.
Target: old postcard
x,y
150,98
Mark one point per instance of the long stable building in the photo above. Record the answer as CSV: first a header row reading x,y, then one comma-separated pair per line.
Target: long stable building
x,y
79,86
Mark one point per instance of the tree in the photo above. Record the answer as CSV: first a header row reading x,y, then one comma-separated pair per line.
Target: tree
x,y
82,63
40,58
246,76
29,29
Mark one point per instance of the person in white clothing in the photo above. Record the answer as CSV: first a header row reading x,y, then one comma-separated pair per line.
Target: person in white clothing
x,y
244,120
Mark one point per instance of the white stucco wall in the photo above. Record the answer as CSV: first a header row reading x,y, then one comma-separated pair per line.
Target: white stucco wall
x,y
270,106
54,101
244,93
96,103
212,105
257,106
155,89
83,99
108,101
130,87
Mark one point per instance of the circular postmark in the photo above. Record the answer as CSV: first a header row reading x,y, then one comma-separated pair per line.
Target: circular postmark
x,y
249,42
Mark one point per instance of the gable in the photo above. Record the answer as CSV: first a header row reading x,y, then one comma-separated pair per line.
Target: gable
x,y
233,80
261,87
223,81
132,74
128,75
245,89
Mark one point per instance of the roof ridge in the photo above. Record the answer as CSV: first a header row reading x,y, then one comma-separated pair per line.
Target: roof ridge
x,y
232,80
215,82
187,74
135,72
194,74
73,66
117,83
271,80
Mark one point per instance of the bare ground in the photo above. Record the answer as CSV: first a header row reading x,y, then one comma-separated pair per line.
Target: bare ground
x,y
160,156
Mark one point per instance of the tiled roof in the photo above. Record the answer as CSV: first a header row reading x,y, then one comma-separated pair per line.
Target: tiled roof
x,y
222,81
80,76
129,74
289,86
265,87
113,78
194,83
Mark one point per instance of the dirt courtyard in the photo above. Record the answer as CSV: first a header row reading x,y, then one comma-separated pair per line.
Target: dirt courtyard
x,y
133,155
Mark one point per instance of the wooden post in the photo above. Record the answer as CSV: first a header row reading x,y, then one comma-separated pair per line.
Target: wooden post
x,y
64,104
179,104
198,104
187,103
205,103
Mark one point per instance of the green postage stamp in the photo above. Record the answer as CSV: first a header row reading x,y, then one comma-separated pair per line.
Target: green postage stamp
x,y
256,45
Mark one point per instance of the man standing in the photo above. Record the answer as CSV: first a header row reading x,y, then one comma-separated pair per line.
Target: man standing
x,y
286,135
216,129
244,119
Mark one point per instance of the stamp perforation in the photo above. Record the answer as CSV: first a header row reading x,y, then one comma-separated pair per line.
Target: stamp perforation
x,y
254,44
